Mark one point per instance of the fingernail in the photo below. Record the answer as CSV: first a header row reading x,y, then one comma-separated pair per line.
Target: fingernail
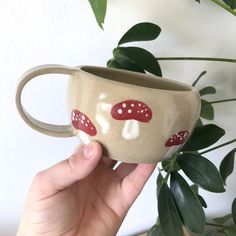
x,y
88,151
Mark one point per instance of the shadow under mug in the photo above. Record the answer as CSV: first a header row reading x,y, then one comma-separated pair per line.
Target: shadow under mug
x,y
135,117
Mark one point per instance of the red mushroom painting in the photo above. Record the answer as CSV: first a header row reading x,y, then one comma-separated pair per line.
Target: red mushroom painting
x,y
133,112
177,139
81,122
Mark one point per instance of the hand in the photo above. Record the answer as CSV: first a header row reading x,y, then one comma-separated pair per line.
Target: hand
x,y
82,195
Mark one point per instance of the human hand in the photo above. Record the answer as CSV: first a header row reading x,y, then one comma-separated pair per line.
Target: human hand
x,y
82,195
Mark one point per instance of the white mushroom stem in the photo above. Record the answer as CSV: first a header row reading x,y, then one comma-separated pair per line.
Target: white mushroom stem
x,y
130,129
84,137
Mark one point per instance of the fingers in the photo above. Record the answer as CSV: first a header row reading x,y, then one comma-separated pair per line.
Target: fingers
x,y
134,182
124,169
60,176
109,162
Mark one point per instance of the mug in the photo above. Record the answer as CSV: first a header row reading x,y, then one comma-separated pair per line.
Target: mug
x,y
137,118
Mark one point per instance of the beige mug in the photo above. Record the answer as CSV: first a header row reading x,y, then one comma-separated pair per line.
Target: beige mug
x,y
135,117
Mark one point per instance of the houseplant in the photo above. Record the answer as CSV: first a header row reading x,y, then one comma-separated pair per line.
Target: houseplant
x,y
173,191
99,8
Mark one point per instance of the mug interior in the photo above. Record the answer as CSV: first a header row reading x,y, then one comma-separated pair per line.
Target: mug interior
x,y
137,79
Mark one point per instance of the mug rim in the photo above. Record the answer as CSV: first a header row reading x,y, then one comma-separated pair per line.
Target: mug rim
x,y
185,87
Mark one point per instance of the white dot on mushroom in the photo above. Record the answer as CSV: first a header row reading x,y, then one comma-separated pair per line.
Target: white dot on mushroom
x,y
124,105
129,111
119,111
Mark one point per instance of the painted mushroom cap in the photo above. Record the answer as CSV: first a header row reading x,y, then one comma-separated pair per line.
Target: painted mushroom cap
x,y
82,122
132,110
177,139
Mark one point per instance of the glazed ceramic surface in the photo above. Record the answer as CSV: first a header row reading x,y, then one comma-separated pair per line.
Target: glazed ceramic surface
x,y
135,117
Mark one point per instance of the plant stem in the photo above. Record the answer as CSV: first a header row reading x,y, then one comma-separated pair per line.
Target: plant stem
x,y
198,78
170,168
219,146
219,59
220,226
166,177
167,166
224,100
225,6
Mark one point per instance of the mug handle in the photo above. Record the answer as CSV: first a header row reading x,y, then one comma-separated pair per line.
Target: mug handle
x,y
45,128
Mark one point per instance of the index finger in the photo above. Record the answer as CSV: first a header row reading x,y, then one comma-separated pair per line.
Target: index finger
x,y
134,182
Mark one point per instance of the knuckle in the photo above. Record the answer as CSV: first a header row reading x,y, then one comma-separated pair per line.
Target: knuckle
x,y
39,178
135,188
40,183
73,162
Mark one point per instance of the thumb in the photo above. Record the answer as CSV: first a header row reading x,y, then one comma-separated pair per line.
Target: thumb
x,y
60,176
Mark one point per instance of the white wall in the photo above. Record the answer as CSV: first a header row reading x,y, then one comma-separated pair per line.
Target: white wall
x,y
65,32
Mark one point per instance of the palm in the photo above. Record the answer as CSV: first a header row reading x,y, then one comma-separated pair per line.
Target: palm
x,y
96,203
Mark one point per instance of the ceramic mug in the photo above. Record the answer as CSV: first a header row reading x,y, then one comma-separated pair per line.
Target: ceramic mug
x,y
135,117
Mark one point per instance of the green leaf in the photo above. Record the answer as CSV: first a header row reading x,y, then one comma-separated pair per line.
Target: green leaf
x,y
199,122
124,64
187,203
159,183
169,216
199,77
227,165
207,90
99,9
201,171
203,136
141,57
234,210
201,200
167,164
112,63
155,231
195,188
230,232
207,110
231,3
141,32
211,233
222,220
